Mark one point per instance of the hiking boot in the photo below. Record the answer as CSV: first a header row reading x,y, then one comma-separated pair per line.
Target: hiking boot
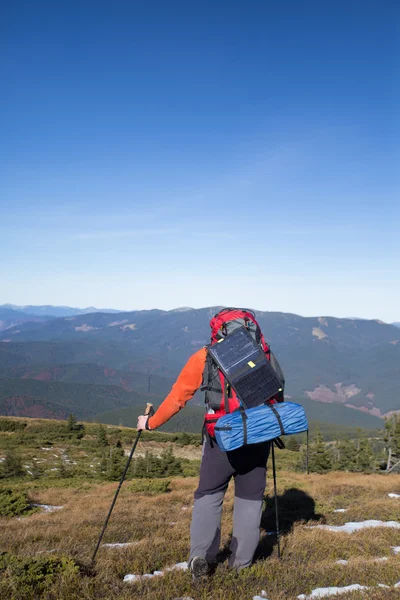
x,y
199,567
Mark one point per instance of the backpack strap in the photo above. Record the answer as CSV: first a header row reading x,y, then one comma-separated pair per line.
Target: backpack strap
x,y
226,396
244,420
279,443
278,417
206,384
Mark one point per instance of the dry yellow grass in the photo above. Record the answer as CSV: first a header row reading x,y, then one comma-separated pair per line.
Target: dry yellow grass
x,y
160,527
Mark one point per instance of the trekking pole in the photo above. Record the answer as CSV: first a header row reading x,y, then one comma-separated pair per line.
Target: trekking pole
x,y
276,501
149,411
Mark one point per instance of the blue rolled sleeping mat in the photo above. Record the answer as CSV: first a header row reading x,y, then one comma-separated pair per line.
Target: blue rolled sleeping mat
x,y
260,424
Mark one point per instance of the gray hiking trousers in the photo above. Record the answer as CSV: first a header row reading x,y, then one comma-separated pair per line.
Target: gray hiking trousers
x,y
247,465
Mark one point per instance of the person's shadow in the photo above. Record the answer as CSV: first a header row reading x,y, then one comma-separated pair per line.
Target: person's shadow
x,y
294,506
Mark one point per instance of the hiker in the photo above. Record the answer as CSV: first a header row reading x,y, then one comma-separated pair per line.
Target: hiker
x,y
247,464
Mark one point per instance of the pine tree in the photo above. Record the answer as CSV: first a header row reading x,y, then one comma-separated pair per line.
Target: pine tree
x,y
102,440
392,435
365,458
346,459
293,444
62,470
102,467
396,434
71,423
116,463
150,466
170,464
36,471
320,459
12,465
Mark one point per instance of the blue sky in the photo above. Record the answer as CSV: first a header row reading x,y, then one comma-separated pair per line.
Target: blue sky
x,y
190,154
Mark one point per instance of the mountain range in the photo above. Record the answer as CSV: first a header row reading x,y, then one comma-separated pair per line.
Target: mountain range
x,y
13,312
344,370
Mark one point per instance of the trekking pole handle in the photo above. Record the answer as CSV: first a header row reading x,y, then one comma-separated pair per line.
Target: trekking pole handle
x,y
149,409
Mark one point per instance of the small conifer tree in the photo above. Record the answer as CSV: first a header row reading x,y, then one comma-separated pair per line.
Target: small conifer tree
x,y
71,423
102,440
293,444
320,459
12,465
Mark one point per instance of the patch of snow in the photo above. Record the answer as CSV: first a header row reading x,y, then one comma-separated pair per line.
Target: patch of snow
x,y
345,562
130,578
115,323
182,566
331,591
2,459
396,549
172,523
394,495
354,526
318,333
47,507
130,326
185,508
261,596
340,510
397,585
120,545
85,327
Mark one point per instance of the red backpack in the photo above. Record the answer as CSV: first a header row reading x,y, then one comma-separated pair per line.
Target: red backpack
x,y
220,397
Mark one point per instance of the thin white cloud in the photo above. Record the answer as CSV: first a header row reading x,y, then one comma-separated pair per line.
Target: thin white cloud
x,y
105,235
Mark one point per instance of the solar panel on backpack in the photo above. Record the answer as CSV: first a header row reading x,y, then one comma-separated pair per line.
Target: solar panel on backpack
x,y
246,368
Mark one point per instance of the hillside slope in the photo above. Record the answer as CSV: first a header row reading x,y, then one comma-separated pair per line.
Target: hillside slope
x,y
349,362
34,398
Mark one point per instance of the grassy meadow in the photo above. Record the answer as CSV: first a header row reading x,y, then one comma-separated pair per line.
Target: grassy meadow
x,y
45,554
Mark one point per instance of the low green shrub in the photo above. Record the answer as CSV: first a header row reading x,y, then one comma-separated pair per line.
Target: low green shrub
x,y
11,425
13,504
150,487
188,439
190,468
29,577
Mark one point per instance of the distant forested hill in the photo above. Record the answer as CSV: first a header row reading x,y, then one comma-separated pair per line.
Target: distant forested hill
x,y
347,366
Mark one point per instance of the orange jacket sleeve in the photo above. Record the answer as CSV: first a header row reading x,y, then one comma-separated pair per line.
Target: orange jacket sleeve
x,y
184,388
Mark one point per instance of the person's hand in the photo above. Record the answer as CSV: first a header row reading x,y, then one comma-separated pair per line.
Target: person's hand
x,y
142,420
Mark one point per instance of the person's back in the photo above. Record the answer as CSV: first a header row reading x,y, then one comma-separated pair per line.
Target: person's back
x,y
247,465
